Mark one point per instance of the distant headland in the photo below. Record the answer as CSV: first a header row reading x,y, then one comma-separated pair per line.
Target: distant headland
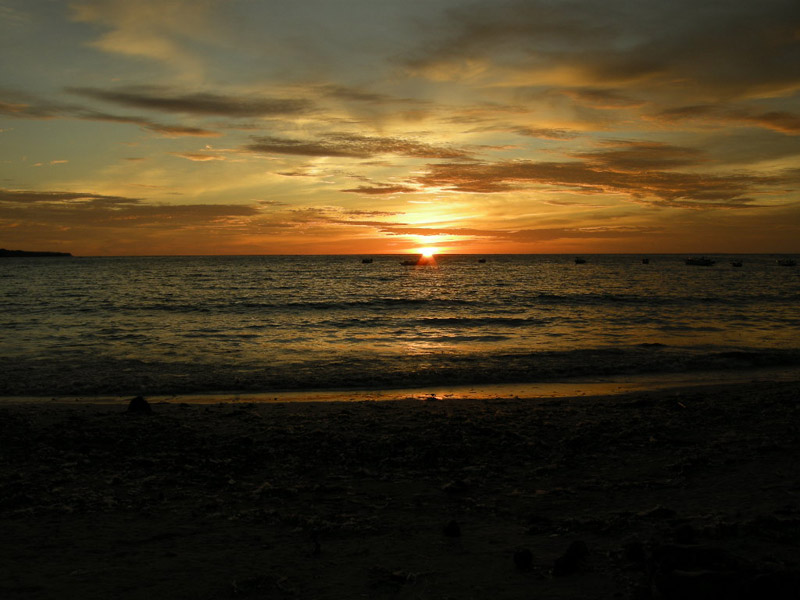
x,y
25,253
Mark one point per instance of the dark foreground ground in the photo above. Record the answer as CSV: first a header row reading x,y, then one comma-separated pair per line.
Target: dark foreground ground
x,y
672,494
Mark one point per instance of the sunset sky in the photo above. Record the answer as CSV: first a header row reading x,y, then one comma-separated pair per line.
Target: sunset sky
x,y
378,126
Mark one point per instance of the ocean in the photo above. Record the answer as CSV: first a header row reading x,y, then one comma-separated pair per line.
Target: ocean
x,y
173,325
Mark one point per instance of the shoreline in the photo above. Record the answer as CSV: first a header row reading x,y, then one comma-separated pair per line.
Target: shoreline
x,y
575,387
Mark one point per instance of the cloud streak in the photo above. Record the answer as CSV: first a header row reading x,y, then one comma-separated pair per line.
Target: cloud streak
x,y
381,190
542,234
88,210
642,156
656,187
198,103
34,108
776,120
23,197
349,145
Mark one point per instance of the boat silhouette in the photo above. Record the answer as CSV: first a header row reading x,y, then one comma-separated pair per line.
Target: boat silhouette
x,y
700,261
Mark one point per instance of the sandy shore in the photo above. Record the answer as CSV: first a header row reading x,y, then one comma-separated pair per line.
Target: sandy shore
x,y
677,493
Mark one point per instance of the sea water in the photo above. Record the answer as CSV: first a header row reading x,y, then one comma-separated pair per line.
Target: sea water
x,y
163,325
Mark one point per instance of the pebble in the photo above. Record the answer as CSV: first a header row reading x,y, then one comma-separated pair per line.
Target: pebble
x,y
452,529
572,560
458,486
523,559
139,406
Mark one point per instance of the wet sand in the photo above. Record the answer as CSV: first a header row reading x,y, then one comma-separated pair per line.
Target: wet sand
x,y
563,388
684,492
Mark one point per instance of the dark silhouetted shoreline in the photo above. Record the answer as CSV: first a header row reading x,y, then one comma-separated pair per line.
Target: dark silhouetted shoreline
x,y
30,254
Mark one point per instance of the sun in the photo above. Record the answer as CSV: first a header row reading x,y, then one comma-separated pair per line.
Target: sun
x,y
428,252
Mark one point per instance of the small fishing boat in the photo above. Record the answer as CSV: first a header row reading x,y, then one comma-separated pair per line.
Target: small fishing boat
x,y
700,261
787,262
645,261
580,261
736,263
481,260
366,261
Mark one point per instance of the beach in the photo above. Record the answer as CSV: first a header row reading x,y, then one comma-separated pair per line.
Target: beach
x,y
680,492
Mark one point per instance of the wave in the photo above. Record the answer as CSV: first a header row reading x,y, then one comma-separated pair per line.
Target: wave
x,y
682,327
457,338
229,303
434,322
650,300
92,374
478,321
294,305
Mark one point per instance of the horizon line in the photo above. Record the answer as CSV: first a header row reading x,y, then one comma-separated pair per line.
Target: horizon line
x,y
362,254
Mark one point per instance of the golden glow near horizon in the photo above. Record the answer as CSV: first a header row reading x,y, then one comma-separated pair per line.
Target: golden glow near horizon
x,y
237,127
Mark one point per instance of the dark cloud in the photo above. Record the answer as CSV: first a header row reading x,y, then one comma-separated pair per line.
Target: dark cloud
x,y
200,103
403,229
325,216
743,146
180,130
485,28
347,93
602,98
302,172
545,133
784,122
21,105
178,215
571,203
278,145
26,107
359,223
370,213
666,188
82,198
604,232
781,121
168,130
641,156
381,190
699,111
25,111
733,48
483,113
351,94
353,146
527,235
79,209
